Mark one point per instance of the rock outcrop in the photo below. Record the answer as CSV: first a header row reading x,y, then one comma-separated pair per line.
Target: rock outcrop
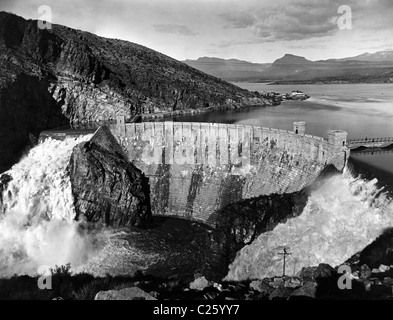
x,y
106,187
242,222
50,77
379,251
199,284
4,180
133,293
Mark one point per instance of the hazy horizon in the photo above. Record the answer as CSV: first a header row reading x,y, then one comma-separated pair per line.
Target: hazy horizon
x,y
250,30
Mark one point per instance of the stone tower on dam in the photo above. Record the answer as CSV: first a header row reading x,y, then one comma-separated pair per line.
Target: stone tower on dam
x,y
196,168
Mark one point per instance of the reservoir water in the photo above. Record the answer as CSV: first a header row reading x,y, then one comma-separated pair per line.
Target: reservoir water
x,y
363,110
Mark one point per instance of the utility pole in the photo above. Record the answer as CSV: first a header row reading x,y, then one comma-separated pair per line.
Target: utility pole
x,y
285,254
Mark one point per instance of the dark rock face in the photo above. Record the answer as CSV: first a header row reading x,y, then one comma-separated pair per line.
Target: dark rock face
x,y
281,293
108,189
50,77
312,274
4,180
308,290
240,223
379,252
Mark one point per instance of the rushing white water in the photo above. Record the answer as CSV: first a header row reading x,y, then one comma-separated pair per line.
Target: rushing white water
x,y
37,224
342,217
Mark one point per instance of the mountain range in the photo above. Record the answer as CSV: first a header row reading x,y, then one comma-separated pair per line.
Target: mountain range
x,y
367,67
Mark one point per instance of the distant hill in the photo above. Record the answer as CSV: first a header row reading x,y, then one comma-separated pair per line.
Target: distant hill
x,y
294,68
287,65
292,61
386,55
53,77
368,68
230,69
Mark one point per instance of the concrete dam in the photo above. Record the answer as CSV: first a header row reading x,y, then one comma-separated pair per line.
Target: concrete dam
x,y
195,169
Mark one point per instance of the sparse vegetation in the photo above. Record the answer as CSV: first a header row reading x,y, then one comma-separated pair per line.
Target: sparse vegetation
x,y
65,284
81,286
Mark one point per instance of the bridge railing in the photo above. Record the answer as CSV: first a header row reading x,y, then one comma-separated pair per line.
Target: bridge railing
x,y
376,151
370,140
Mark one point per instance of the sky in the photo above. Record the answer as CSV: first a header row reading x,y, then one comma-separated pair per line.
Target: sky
x,y
252,30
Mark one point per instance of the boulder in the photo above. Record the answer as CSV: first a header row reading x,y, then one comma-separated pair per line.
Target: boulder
x,y
292,282
311,274
277,282
105,186
367,285
280,293
218,286
262,287
308,290
324,271
384,268
199,284
365,272
307,274
133,293
388,282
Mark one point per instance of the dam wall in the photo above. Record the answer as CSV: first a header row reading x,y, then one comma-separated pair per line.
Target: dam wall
x,y
195,169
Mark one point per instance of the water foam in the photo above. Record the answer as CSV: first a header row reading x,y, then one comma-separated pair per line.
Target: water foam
x,y
342,216
37,224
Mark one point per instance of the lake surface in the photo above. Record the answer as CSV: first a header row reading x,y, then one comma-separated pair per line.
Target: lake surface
x,y
363,110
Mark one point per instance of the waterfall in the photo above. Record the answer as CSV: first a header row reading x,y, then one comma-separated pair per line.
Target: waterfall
x,y
37,225
343,215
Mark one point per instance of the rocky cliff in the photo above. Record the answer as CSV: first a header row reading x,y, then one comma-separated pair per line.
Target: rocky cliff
x,y
106,187
241,223
51,77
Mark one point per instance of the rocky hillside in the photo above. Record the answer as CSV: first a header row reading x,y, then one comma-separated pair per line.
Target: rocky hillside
x,y
51,77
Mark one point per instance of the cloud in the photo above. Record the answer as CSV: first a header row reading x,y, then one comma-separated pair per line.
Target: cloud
x,y
238,20
305,19
295,21
174,29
